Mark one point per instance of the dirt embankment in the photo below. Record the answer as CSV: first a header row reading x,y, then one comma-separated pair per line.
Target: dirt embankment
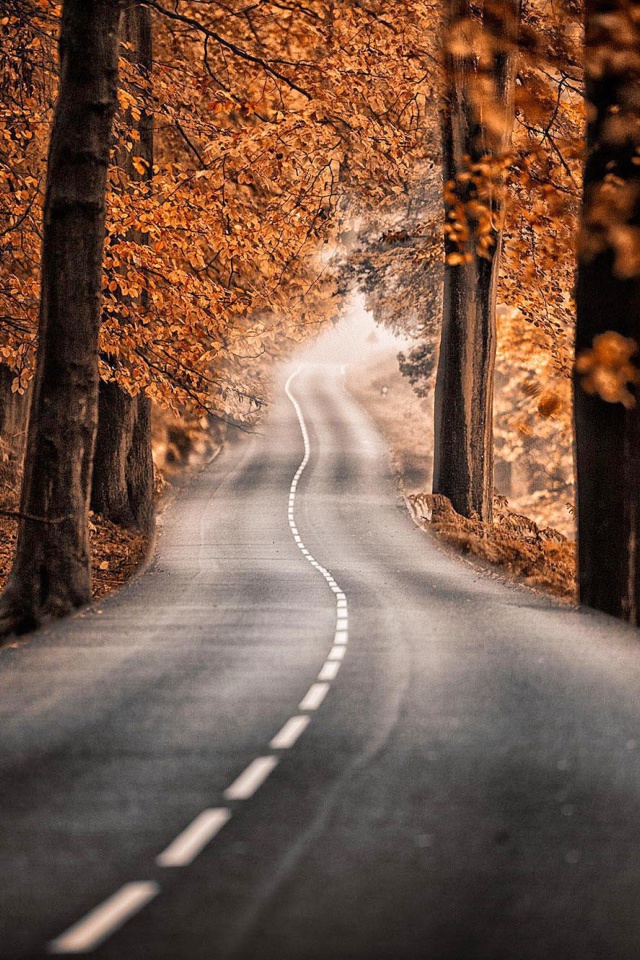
x,y
524,548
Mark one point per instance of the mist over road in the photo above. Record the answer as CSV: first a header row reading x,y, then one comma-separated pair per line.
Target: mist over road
x,y
310,733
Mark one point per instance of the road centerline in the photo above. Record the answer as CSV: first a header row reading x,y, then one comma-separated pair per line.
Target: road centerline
x,y
251,778
290,732
102,921
194,838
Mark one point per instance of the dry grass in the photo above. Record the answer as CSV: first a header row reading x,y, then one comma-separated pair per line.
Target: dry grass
x,y
116,553
544,558
540,556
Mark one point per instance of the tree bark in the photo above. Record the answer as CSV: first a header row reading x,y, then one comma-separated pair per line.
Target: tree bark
x,y
123,482
14,409
51,571
608,299
463,429
122,487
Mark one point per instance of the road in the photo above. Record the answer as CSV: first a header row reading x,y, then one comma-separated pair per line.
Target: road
x,y
310,733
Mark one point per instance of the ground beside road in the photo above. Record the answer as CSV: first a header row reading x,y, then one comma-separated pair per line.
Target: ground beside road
x,y
531,551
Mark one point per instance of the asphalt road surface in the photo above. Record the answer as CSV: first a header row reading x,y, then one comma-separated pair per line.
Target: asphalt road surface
x,y
309,733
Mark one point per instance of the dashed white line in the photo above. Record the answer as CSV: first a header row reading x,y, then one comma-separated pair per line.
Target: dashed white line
x,y
105,919
314,696
329,670
337,653
251,779
293,728
92,930
194,838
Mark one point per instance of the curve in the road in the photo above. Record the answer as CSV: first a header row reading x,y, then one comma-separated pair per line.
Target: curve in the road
x,y
94,928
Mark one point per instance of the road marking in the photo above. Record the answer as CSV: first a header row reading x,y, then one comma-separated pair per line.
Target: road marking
x,y
293,728
314,696
329,670
188,844
337,653
104,920
251,779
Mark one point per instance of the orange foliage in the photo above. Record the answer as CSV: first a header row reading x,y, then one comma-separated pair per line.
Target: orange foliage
x,y
266,121
606,369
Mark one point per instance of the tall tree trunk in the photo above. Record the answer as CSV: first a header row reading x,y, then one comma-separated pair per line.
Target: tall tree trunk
x,y
122,487
608,299
123,464
463,453
51,572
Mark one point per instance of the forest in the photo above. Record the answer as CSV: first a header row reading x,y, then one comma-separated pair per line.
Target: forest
x,y
320,479
190,189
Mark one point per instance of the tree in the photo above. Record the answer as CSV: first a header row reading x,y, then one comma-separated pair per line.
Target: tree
x,y
123,484
607,417
51,573
477,123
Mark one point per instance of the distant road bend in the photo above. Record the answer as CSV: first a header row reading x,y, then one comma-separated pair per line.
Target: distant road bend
x,y
309,733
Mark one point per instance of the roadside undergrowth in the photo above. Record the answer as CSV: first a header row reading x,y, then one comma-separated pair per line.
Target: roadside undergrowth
x,y
543,557
518,546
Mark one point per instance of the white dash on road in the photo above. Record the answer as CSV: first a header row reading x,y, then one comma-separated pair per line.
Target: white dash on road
x,y
329,670
188,844
251,779
318,691
314,696
92,930
337,653
293,728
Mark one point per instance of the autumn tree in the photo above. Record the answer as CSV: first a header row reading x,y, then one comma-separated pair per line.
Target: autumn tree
x,y
265,118
607,417
123,475
51,575
477,122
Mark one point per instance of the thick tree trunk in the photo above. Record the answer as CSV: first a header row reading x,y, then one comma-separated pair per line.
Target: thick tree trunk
x,y
51,572
122,487
608,299
123,466
463,430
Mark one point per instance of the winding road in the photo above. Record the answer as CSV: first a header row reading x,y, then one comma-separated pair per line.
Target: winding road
x,y
308,732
